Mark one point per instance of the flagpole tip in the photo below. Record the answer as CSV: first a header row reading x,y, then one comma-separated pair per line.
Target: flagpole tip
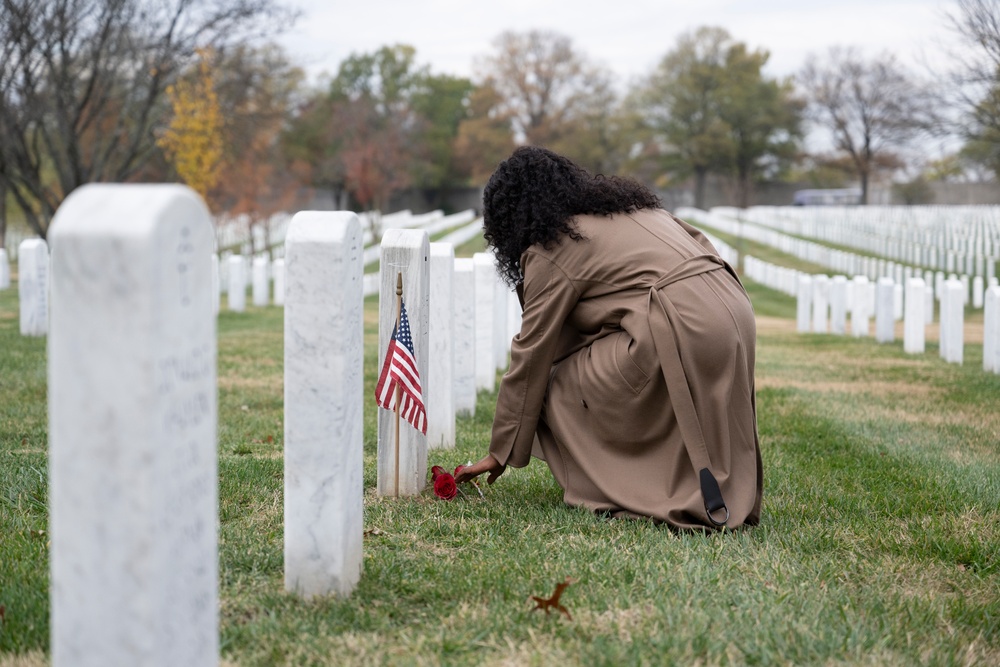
x,y
399,283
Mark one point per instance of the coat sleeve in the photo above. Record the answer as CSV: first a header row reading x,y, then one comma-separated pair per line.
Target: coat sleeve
x,y
549,298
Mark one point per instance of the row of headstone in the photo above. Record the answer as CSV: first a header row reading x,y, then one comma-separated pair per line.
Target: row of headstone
x,y
469,317
232,277
245,234
133,443
34,288
323,333
822,306
744,224
465,226
263,272
955,239
133,422
33,284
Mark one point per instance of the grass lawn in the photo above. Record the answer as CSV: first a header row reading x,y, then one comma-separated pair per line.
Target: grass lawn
x,y
879,542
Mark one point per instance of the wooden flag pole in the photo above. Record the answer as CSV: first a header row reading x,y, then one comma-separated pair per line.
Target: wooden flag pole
x,y
399,314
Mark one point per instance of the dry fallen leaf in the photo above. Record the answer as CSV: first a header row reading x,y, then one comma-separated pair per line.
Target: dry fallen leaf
x,y
553,602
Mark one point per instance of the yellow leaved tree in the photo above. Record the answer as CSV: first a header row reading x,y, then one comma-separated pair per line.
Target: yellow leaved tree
x,y
193,140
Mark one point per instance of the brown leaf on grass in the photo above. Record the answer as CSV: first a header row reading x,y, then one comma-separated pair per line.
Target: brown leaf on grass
x,y
3,614
553,602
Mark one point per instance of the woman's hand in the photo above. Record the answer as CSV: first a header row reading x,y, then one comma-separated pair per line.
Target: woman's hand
x,y
486,464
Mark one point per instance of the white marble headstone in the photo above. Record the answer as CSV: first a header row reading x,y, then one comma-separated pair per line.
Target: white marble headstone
x,y
991,330
885,320
278,273
216,285
838,305
953,322
485,286
803,307
928,303
132,430
324,386
821,303
942,329
861,307
464,315
405,251
33,286
261,285
440,399
513,316
914,320
501,337
237,283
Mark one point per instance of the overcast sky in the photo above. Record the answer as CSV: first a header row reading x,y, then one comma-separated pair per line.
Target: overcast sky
x,y
627,36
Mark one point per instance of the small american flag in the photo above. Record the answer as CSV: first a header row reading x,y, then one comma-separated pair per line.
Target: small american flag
x,y
400,367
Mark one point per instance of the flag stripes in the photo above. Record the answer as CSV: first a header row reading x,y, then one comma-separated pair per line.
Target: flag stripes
x,y
400,370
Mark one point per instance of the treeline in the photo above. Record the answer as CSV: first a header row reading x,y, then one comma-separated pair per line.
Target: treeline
x,y
193,90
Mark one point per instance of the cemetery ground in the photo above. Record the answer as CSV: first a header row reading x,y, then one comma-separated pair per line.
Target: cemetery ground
x,y
879,541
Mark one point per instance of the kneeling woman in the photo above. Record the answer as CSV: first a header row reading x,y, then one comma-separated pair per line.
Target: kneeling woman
x,y
633,373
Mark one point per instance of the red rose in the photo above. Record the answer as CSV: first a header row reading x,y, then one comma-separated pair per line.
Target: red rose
x,y
444,486
436,471
458,470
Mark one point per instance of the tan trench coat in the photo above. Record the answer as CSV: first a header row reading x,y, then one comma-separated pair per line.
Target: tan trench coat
x,y
636,345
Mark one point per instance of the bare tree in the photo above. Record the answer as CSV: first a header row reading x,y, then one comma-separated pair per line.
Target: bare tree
x,y
547,85
975,79
977,22
82,85
872,108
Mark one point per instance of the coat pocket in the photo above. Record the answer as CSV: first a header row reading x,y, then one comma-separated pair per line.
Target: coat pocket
x,y
634,376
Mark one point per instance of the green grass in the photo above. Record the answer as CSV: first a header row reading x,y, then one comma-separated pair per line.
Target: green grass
x,y
879,542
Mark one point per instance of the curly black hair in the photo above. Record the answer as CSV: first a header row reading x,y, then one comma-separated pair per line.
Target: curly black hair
x,y
533,195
